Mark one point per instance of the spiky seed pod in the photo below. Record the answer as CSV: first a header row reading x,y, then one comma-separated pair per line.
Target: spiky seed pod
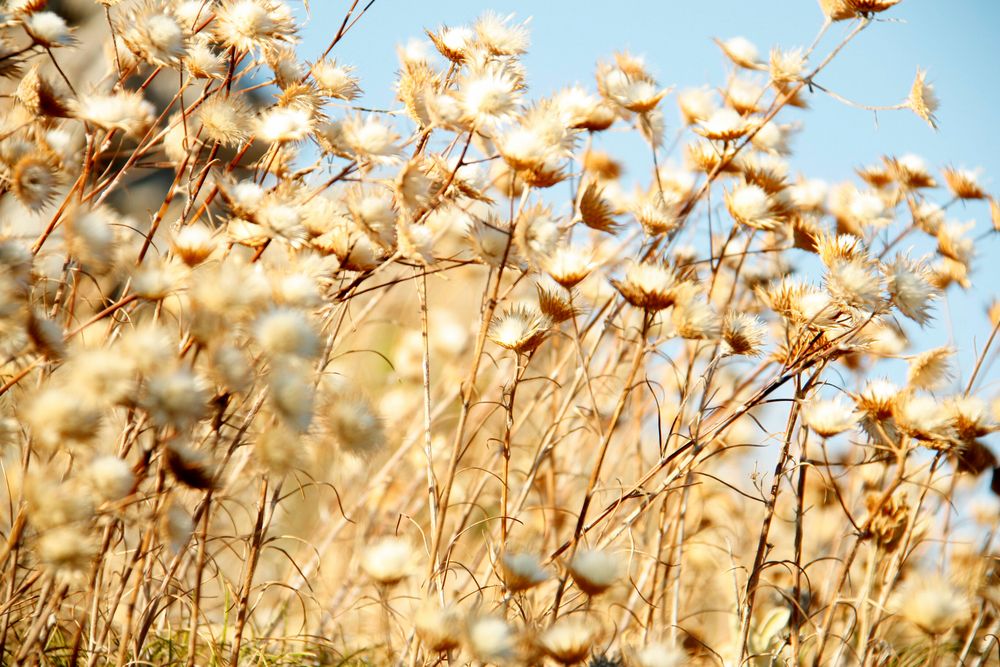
x,y
225,119
963,183
34,180
743,334
39,96
153,33
453,43
125,110
752,206
888,525
930,369
336,81
596,212
570,265
910,172
193,244
253,24
651,286
499,37
910,288
519,328
555,305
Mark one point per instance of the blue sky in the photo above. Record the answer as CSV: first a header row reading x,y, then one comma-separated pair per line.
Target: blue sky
x,y
954,40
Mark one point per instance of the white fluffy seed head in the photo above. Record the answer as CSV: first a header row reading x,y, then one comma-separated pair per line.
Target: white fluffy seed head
x,y
594,571
388,561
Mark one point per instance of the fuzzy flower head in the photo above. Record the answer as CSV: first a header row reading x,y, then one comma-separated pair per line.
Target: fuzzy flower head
x,y
500,36
594,571
336,81
521,571
651,286
910,288
153,34
829,417
489,96
752,206
254,24
388,561
48,29
570,639
922,99
520,328
933,604
126,111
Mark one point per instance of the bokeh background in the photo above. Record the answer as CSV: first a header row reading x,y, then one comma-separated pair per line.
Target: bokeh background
x,y
955,41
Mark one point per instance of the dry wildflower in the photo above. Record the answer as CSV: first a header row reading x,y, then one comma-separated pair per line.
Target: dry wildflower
x,y
192,468
853,284
953,244
570,639
651,286
930,369
388,561
439,628
370,138
888,525
352,421
659,655
39,96
786,66
175,397
743,334
741,51
286,331
491,639
570,264
336,81
556,305
723,125
964,183
519,328
910,171
840,247
110,477
910,288
521,571
594,571
875,401
870,6
284,124
694,318
59,416
453,43
193,244
932,603
829,417
34,180
126,111
696,105
202,61
225,119
658,214
752,206
67,550
579,109
176,526
153,33
595,211
499,37
837,10
253,24
48,29
922,417
489,96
